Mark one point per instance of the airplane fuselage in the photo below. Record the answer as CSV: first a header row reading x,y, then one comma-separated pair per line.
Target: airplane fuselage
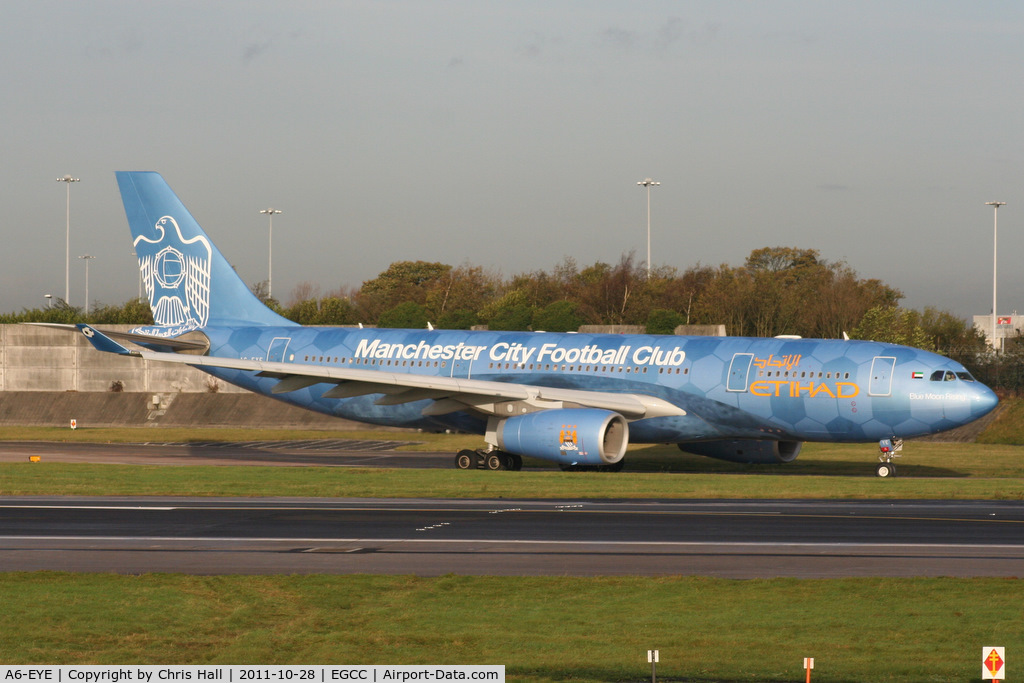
x,y
729,387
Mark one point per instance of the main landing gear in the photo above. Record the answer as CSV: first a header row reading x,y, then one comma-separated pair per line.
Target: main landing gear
x,y
487,460
889,449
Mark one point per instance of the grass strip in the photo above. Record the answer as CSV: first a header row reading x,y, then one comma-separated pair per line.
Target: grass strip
x,y
24,479
930,471
540,628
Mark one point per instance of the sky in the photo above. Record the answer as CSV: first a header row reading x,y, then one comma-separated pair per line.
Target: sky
x,y
513,135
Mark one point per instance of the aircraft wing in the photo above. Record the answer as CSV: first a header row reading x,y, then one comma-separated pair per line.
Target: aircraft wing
x,y
450,394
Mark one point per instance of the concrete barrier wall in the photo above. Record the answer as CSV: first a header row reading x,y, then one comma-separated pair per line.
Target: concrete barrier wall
x,y
612,329
44,359
701,330
49,377
130,409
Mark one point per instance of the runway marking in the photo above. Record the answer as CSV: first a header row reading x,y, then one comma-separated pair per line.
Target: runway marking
x,y
364,541
853,515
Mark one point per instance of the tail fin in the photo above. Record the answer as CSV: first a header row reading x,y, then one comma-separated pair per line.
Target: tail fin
x,y
189,283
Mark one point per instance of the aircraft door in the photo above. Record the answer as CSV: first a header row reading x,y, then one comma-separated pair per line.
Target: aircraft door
x,y
881,376
739,371
278,346
462,368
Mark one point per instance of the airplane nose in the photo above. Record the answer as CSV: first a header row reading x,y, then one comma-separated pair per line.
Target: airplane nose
x,y
985,401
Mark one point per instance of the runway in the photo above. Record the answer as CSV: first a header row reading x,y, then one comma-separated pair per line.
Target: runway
x,y
725,538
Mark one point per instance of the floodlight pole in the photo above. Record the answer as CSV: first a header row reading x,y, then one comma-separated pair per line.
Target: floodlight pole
x,y
270,265
647,182
995,261
67,239
87,258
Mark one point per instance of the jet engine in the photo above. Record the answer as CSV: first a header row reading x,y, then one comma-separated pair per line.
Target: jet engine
x,y
572,436
760,451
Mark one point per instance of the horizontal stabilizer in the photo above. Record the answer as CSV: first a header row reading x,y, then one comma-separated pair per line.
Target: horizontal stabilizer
x,y
138,338
102,342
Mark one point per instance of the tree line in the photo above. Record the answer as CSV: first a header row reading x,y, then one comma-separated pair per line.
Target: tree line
x,y
777,290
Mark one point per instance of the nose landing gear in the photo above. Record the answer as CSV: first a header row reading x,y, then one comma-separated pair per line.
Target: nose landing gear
x,y
889,449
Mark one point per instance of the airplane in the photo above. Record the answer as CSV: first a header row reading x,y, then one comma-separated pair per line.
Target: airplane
x,y
577,400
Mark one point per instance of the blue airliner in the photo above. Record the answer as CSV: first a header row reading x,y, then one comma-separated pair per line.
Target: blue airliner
x,y
574,399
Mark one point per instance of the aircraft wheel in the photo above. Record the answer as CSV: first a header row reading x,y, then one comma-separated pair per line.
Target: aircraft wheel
x,y
885,469
515,462
464,459
494,462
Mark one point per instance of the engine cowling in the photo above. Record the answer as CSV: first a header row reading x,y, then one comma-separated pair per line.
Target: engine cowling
x,y
572,436
759,451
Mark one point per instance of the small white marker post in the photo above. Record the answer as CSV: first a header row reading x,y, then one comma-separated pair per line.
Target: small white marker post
x,y
808,665
652,657
74,423
993,664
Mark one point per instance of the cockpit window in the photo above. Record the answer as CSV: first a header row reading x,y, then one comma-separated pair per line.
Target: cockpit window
x,y
944,376
966,376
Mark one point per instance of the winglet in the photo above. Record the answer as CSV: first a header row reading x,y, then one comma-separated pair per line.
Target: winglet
x,y
102,342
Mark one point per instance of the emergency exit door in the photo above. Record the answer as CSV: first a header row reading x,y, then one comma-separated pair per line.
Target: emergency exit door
x,y
881,376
